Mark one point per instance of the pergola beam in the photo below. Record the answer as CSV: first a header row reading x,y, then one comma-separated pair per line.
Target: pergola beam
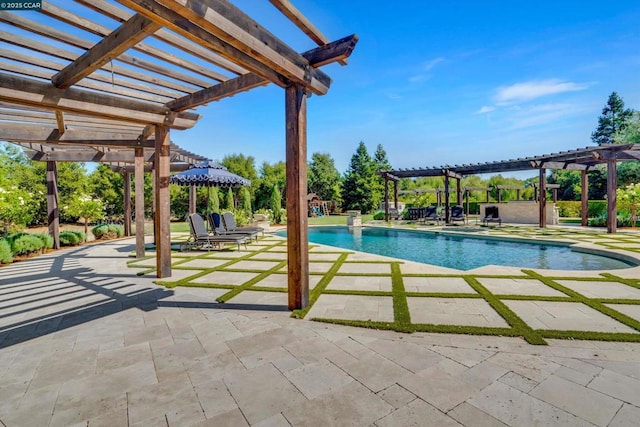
x,y
20,132
34,93
124,37
235,36
320,56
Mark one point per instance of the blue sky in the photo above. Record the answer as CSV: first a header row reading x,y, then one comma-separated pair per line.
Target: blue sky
x,y
442,82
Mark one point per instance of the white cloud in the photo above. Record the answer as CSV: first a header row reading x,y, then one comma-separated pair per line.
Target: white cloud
x,y
485,109
527,91
430,64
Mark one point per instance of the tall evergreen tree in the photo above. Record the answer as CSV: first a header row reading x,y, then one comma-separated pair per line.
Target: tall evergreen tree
x,y
359,182
275,204
228,200
324,178
381,163
613,119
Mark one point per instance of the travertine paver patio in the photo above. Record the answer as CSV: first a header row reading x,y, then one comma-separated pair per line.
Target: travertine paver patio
x,y
85,340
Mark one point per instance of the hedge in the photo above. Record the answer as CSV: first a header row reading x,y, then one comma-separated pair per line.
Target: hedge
x,y
107,231
6,256
27,244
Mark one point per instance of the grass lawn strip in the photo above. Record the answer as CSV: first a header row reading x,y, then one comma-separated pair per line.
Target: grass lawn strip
x,y
519,326
401,315
315,293
226,297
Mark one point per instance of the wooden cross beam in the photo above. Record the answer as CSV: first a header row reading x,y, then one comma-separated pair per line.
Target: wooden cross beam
x,y
320,56
31,92
121,39
225,29
22,132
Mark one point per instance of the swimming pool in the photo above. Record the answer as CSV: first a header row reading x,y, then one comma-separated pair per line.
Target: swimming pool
x,y
461,253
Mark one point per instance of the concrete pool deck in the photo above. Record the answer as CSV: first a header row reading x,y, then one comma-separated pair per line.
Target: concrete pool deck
x,y
86,340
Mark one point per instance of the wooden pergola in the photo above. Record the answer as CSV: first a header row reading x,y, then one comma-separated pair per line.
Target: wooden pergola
x,y
124,74
582,159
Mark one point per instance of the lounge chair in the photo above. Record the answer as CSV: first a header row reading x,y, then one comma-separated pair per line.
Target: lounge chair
x,y
229,223
216,225
457,214
201,238
491,215
430,213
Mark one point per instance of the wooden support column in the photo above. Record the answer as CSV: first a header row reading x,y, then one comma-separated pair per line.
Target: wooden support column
x,y
53,213
162,214
542,198
585,198
395,195
386,198
488,192
192,199
499,194
459,192
139,203
127,203
517,194
612,185
555,195
297,233
446,198
466,196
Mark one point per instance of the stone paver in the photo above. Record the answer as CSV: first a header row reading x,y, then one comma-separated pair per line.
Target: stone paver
x,y
568,316
602,289
127,352
226,278
359,283
519,287
454,311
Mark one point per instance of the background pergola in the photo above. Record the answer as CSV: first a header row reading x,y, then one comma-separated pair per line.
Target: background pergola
x,y
119,76
582,159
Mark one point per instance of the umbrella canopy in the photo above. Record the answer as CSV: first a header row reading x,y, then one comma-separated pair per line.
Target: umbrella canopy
x,y
208,174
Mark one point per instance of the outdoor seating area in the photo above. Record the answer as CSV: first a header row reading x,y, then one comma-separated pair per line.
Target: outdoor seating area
x,y
213,342
491,214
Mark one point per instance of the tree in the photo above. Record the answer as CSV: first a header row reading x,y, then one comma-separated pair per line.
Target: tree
x,y
270,175
245,201
360,182
85,207
323,178
275,204
108,186
242,165
381,163
228,204
214,200
613,119
629,199
630,133
16,207
570,183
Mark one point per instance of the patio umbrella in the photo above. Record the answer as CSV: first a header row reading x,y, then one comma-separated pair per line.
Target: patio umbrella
x,y
208,174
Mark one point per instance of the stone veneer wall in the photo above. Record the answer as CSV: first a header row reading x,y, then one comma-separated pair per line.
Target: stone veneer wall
x,y
523,212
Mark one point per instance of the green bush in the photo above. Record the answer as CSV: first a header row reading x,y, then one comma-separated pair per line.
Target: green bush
x,y
70,238
378,216
6,256
27,244
14,236
597,208
569,208
47,240
622,220
107,231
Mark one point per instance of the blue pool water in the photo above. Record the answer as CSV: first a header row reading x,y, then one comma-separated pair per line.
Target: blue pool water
x,y
462,253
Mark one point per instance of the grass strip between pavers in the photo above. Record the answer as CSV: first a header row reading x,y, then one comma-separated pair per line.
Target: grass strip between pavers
x,y
315,293
519,326
593,303
401,315
226,297
634,283
590,335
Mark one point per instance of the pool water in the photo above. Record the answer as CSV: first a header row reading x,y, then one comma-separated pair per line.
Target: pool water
x,y
462,253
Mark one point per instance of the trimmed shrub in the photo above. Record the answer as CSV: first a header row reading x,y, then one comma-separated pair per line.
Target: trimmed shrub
x,y
47,240
6,256
597,208
13,236
569,208
378,216
70,238
107,231
27,244
622,220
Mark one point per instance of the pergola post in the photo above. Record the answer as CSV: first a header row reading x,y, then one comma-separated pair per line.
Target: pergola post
x,y
446,198
127,203
192,199
487,194
296,167
162,214
466,197
585,197
395,195
517,194
459,192
386,198
139,202
612,185
542,198
53,213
